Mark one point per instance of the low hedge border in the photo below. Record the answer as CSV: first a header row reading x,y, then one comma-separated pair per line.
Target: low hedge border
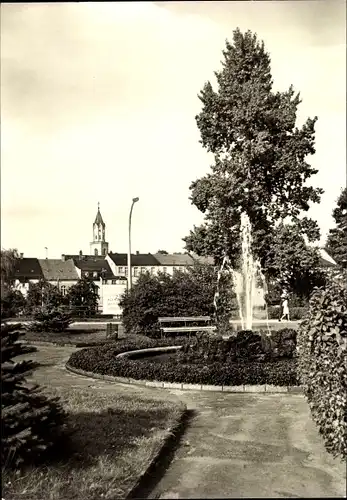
x,y
102,360
273,389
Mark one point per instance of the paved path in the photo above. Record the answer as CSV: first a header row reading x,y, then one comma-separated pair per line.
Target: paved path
x,y
237,445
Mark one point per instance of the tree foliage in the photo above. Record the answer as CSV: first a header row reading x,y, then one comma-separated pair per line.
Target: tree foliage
x,y
260,165
337,237
9,259
43,294
83,297
31,423
12,303
189,293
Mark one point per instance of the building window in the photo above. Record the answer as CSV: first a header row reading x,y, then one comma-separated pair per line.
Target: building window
x,y
143,270
126,271
152,270
181,268
95,274
63,290
164,269
121,270
114,282
136,271
96,251
104,251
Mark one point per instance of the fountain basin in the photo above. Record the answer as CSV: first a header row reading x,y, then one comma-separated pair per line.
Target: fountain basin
x,y
158,353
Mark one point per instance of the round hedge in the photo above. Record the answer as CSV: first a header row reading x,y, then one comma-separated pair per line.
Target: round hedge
x,y
102,360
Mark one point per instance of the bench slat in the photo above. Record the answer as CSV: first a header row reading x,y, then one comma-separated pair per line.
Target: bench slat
x,y
187,329
197,318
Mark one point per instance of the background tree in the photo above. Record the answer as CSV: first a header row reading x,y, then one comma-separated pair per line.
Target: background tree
x,y
293,264
9,259
337,237
260,165
31,423
43,294
13,303
163,252
189,293
83,297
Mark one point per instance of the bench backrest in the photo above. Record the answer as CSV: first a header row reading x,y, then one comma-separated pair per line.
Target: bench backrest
x,y
197,318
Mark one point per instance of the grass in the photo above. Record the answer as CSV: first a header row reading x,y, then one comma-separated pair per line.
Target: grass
x,y
74,335
114,438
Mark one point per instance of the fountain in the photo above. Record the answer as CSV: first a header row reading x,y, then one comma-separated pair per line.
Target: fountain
x,y
244,279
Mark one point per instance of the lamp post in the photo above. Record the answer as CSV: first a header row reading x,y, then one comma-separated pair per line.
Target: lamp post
x,y
129,249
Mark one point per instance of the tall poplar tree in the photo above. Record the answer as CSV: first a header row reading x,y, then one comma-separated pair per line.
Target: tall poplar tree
x,y
260,165
337,237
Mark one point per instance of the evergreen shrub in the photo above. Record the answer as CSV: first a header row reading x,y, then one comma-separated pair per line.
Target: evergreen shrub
x,y
31,423
322,349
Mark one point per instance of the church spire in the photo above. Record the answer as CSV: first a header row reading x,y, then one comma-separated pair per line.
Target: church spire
x,y
99,245
98,218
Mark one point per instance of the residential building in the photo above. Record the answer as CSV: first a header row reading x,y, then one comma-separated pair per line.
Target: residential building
x,y
27,270
59,272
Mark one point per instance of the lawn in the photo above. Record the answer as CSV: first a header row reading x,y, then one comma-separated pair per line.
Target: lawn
x,y
114,437
86,334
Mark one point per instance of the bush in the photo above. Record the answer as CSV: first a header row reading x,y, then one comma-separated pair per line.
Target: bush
x,y
12,303
322,340
103,360
31,423
244,347
295,313
52,320
189,293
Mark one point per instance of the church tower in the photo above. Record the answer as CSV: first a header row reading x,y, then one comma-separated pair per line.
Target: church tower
x,y
99,246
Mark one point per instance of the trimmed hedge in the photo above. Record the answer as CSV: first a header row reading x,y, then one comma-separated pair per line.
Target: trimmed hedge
x,y
295,313
322,349
246,346
103,360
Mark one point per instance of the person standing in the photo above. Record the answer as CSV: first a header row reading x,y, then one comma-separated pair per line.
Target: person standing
x,y
285,309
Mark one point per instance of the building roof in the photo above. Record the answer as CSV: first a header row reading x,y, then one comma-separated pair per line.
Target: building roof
x,y
141,259
174,259
57,269
28,268
325,259
203,260
94,265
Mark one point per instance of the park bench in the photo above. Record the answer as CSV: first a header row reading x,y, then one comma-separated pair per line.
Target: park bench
x,y
191,325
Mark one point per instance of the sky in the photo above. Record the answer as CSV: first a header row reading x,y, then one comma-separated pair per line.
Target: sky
x,y
98,104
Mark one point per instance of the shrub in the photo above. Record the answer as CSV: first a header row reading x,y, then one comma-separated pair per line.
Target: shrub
x,y
295,312
189,293
103,360
12,303
322,340
31,423
244,347
52,320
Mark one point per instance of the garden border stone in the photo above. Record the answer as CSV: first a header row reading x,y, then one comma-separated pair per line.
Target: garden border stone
x,y
272,389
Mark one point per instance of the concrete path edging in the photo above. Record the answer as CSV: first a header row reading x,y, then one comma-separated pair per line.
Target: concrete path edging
x,y
271,389
171,440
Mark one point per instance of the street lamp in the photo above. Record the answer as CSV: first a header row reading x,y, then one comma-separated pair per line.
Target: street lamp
x,y
129,249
